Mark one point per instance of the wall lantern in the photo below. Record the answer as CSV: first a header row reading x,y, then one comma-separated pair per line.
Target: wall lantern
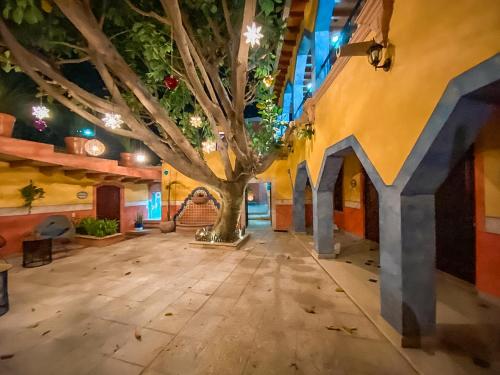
x,y
375,56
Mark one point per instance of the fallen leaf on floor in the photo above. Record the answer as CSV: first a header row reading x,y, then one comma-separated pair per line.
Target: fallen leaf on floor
x,y
43,334
288,257
372,280
310,310
294,365
33,325
127,273
6,356
168,314
269,290
333,328
481,362
84,334
348,261
339,290
349,330
32,309
318,287
137,334
483,305
262,242
248,248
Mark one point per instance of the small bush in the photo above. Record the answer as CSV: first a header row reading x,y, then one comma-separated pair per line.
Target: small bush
x,y
97,227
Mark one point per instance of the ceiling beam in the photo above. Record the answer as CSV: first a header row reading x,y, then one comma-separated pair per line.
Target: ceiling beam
x,y
131,179
49,169
75,173
22,163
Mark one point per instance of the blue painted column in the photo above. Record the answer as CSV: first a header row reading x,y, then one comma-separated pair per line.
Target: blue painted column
x,y
407,259
323,223
299,211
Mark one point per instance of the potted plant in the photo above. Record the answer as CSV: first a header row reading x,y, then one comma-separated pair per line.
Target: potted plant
x,y
31,193
169,225
97,232
139,221
6,124
127,157
75,143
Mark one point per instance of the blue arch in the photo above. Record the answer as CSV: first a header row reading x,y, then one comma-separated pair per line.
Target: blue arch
x,y
321,48
287,102
300,69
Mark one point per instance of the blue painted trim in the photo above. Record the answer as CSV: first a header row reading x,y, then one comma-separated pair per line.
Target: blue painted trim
x,y
299,74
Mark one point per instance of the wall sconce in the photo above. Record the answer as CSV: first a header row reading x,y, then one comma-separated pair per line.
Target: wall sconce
x,y
375,56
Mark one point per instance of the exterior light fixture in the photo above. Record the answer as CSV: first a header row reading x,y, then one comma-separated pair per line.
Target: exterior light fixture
x,y
140,157
112,120
196,121
94,147
253,34
374,53
41,112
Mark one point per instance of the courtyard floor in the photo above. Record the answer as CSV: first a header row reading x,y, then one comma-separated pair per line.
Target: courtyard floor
x,y
154,306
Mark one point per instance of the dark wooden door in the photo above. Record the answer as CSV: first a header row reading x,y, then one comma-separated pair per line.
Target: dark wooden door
x,y
108,202
371,210
455,222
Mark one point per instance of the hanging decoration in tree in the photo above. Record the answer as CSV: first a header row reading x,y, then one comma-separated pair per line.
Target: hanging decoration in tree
x,y
94,147
112,120
268,81
171,82
140,157
196,121
40,112
253,34
208,146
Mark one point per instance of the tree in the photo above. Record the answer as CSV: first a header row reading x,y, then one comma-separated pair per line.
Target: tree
x,y
133,45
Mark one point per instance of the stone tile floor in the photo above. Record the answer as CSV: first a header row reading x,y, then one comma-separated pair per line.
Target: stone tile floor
x,y
154,306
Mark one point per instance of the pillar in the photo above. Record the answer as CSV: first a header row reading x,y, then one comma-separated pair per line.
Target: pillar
x,y
323,223
299,211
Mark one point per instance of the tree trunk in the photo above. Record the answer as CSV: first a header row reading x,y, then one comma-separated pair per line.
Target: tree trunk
x,y
227,222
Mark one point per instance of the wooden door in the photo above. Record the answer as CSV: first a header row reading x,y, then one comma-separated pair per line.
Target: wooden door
x,y
108,202
371,210
455,222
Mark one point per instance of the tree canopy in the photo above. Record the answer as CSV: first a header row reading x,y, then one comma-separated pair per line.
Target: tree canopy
x,y
134,45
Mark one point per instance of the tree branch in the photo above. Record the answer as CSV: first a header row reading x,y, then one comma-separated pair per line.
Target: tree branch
x,y
151,14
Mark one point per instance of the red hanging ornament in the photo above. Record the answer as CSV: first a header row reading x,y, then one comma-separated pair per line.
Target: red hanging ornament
x,y
170,82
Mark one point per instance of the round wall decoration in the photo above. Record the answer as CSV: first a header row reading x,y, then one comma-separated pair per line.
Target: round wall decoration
x,y
82,195
94,147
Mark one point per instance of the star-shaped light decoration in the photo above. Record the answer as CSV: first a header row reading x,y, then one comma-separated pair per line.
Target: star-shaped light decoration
x,y
268,81
40,112
253,34
208,146
112,120
196,121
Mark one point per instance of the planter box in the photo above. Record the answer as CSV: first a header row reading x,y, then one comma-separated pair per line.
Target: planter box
x,y
98,241
221,245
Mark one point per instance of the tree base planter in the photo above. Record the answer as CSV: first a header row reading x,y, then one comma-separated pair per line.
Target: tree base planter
x,y
6,124
99,241
75,145
221,245
167,226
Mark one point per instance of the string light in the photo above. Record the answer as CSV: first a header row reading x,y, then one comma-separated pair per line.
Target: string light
x,y
196,121
94,147
112,120
253,34
208,146
140,157
41,112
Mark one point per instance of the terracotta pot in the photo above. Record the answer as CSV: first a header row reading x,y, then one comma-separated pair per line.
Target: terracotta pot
x,y
75,145
200,199
6,124
167,226
127,159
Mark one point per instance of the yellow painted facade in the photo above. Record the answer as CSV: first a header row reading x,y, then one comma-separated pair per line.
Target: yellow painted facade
x,y
136,193
352,179
388,111
59,189
488,146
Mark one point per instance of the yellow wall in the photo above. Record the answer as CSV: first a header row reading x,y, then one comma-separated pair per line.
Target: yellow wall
x,y
488,145
352,172
59,189
136,192
387,111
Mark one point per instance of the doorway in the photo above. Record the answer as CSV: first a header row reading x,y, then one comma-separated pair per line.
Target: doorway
x,y
455,221
258,205
371,210
108,202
